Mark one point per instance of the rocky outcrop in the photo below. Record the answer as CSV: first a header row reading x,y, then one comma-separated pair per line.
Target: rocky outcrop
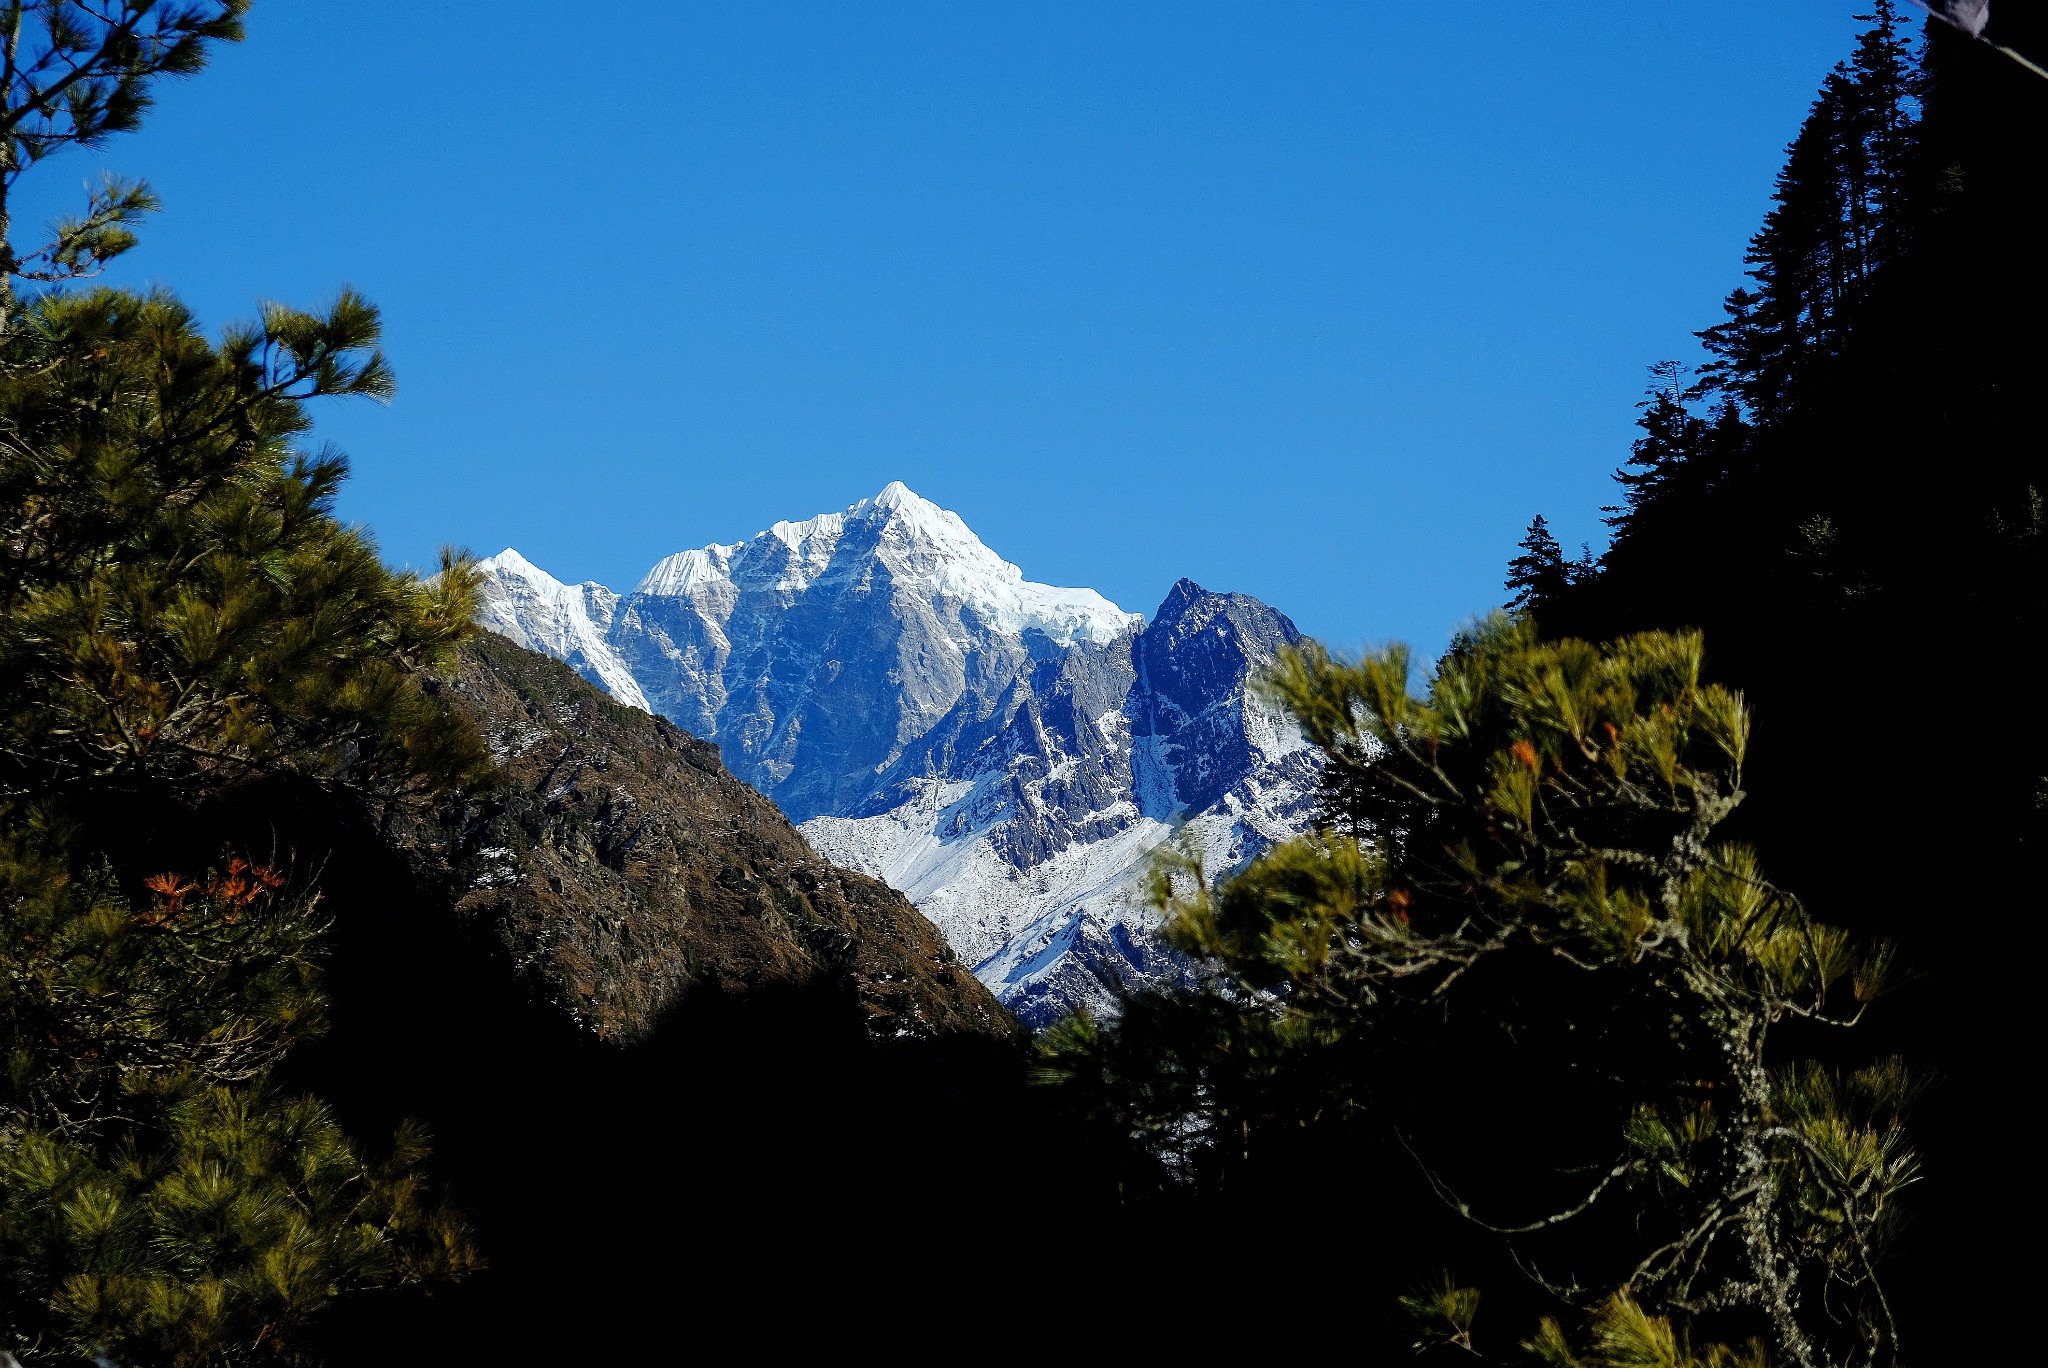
x,y
623,866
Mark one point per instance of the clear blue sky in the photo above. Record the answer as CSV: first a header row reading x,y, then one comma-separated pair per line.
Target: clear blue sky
x,y
1318,302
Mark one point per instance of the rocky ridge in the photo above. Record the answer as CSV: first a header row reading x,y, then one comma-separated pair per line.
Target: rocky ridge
x,y
623,866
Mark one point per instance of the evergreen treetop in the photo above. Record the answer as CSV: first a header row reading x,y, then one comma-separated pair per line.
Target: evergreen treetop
x,y
1835,221
1539,573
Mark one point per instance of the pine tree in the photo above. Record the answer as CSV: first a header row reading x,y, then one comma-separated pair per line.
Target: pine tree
x,y
1670,440
1540,574
1543,856
181,615
1834,223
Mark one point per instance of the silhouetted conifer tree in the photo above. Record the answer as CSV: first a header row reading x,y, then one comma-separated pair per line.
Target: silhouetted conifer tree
x,y
1541,573
1835,220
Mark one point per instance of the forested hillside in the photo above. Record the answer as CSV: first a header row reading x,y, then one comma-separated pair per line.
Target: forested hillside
x,y
1845,495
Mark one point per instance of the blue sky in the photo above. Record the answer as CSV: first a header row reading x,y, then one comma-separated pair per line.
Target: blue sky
x,y
1318,302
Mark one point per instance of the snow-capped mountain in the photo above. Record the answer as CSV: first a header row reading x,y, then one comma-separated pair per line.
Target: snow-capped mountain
x,y
541,613
1007,753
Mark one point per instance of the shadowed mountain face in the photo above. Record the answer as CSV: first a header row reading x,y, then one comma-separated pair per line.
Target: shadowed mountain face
x,y
622,867
1008,754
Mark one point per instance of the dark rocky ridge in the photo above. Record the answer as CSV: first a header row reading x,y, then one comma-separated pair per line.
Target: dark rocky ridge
x,y
622,866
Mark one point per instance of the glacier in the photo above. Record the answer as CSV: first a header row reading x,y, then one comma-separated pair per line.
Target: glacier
x,y
1009,754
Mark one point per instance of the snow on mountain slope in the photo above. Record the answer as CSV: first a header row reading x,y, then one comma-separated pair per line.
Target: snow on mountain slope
x,y
1007,753
1055,936
1037,866
533,608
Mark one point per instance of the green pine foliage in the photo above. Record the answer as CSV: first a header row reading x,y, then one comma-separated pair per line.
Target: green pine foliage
x,y
1545,854
1623,1335
218,1242
72,74
181,604
1444,1312
181,615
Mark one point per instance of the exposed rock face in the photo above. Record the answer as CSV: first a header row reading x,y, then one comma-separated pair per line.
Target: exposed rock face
x,y
1007,753
623,865
1194,661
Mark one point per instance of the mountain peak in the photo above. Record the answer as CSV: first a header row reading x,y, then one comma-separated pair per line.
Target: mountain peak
x,y
676,576
897,494
510,562
521,601
898,505
932,552
1185,595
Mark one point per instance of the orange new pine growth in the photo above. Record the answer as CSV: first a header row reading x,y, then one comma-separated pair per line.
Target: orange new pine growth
x,y
241,885
172,890
244,882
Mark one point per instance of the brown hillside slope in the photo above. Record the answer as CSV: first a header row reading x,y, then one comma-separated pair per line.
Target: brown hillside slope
x,y
622,866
